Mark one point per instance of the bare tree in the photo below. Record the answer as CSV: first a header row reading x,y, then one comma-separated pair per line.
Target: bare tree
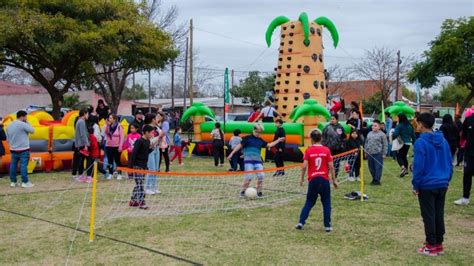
x,y
15,75
380,66
337,76
112,85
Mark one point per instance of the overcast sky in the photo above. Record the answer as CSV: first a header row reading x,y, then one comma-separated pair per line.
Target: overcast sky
x,y
231,33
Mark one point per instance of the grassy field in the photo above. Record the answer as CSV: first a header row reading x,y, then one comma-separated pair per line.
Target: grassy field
x,y
37,227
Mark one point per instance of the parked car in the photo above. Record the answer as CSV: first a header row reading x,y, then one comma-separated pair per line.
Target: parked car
x,y
437,124
237,116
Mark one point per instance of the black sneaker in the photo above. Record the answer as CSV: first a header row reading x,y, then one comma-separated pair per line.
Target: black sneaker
x,y
404,172
259,195
277,173
242,194
299,226
282,172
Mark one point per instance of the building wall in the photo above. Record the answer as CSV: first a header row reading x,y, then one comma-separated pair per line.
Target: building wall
x,y
13,103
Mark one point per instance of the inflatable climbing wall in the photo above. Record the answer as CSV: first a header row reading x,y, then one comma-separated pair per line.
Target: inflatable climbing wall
x,y
300,68
300,73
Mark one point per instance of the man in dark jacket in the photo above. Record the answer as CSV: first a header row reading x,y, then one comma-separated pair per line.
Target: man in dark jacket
x,y
137,122
334,138
468,135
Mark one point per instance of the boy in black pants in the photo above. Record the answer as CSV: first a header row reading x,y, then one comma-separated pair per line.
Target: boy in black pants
x,y
280,147
432,171
139,160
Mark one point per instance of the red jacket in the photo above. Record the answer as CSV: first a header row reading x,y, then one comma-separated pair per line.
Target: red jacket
x,y
94,148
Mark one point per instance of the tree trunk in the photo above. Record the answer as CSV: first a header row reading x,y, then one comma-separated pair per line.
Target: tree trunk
x,y
57,100
197,121
467,100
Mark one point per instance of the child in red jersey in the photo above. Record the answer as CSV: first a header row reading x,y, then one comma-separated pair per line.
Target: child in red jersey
x,y
93,151
318,162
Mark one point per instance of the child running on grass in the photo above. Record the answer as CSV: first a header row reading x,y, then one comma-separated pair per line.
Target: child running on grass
x,y
318,161
252,145
178,142
432,171
139,160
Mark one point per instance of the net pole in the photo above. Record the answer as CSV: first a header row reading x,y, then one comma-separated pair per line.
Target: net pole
x,y
93,200
361,155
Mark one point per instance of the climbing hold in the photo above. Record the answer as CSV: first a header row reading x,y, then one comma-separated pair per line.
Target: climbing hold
x,y
314,57
286,90
287,74
297,82
312,30
287,82
297,98
322,85
319,32
306,69
290,50
316,84
297,90
321,58
306,96
288,58
290,42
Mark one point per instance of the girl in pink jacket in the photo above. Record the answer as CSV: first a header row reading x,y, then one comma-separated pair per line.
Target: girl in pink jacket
x,y
114,140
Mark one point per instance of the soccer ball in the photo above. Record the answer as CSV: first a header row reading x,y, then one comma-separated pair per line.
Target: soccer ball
x,y
251,193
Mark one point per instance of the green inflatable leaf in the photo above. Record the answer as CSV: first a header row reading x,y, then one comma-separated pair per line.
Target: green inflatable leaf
x,y
311,107
197,109
275,23
304,20
324,21
400,107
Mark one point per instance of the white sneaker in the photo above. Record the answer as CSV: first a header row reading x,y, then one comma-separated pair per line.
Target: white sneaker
x,y
157,191
462,201
328,229
351,179
108,176
27,185
119,177
12,184
149,192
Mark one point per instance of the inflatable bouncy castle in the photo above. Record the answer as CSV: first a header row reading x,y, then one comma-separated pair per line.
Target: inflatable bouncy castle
x,y
51,143
300,73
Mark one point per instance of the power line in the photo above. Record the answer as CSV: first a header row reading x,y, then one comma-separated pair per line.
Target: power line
x,y
229,37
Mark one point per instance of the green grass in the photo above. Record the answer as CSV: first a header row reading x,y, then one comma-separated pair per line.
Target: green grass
x,y
387,229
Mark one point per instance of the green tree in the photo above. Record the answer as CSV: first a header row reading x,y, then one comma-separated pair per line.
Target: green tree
x,y
450,54
134,92
62,43
451,93
73,101
411,95
374,104
253,87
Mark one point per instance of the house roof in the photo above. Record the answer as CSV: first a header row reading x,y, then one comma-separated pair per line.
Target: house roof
x,y
8,88
209,101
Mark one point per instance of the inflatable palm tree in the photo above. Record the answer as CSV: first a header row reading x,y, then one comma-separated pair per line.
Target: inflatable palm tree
x,y
311,112
399,108
300,69
198,112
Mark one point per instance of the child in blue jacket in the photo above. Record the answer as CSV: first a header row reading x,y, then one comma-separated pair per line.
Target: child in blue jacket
x,y
432,171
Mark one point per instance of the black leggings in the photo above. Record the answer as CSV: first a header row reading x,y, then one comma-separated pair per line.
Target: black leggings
x,y
78,161
402,156
467,176
336,161
218,151
165,154
113,155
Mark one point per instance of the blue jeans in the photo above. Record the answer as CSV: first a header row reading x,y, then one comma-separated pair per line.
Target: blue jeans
x,y
254,167
153,165
375,166
23,157
237,161
318,186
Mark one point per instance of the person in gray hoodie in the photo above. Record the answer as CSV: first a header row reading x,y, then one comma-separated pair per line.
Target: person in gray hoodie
x,y
376,149
19,143
81,143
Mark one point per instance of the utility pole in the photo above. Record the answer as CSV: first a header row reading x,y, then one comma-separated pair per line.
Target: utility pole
x,y
185,75
172,84
149,91
232,87
398,75
191,92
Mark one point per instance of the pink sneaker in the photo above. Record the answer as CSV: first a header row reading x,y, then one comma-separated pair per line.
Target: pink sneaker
x,y
428,250
440,249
